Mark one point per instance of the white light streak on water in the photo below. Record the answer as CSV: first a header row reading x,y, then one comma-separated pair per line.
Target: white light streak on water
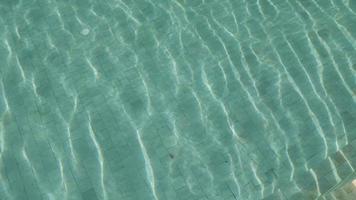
x,y
148,96
315,180
100,156
148,166
9,50
92,67
334,171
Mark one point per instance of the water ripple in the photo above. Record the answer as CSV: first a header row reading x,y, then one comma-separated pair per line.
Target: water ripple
x,y
176,99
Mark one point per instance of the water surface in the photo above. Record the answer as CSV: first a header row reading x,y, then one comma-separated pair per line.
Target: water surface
x,y
177,99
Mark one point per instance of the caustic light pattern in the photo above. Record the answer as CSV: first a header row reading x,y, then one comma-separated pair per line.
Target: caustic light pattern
x,y
177,99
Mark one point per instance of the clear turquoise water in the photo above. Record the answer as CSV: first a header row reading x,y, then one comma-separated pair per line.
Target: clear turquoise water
x,y
177,99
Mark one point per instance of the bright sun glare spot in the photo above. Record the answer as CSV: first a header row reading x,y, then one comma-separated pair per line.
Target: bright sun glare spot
x,y
354,182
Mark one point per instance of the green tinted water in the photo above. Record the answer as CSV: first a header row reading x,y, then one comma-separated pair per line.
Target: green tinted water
x,y
176,100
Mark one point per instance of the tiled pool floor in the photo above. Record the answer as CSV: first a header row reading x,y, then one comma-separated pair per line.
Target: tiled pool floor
x,y
177,99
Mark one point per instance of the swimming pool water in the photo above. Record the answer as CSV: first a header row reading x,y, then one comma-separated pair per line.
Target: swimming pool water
x,y
177,99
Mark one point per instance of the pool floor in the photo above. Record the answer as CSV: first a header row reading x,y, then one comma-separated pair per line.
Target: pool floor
x,y
177,99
